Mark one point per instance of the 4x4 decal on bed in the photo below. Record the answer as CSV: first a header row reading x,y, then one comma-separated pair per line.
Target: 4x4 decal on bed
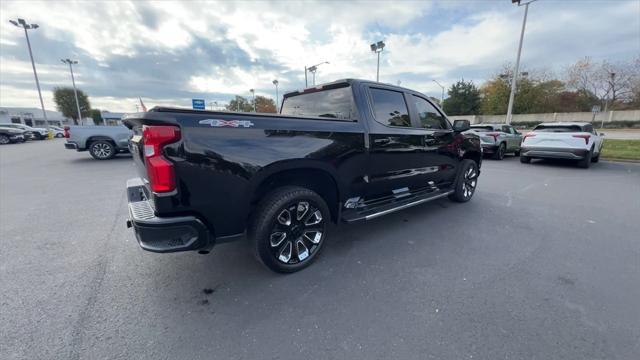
x,y
224,123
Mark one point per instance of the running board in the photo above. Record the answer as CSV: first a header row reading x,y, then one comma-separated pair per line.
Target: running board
x,y
397,205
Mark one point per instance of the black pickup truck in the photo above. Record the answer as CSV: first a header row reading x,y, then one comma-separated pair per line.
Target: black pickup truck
x,y
342,152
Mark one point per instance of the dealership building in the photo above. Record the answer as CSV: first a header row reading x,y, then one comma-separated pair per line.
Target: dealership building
x,y
33,117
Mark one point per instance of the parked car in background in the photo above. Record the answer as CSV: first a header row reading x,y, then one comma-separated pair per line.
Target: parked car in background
x,y
577,141
498,139
10,135
30,132
58,132
102,142
347,151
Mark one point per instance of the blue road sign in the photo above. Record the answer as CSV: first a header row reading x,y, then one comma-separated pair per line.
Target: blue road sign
x,y
197,104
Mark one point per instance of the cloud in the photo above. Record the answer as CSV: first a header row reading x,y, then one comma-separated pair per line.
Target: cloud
x,y
170,52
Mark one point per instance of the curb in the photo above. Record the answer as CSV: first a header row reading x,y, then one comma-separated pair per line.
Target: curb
x,y
622,160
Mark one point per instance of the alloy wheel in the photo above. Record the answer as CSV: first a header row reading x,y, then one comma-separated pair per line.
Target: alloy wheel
x,y
469,182
298,230
102,150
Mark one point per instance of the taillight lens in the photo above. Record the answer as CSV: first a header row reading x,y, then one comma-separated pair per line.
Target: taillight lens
x,y
495,135
528,136
585,137
66,132
159,169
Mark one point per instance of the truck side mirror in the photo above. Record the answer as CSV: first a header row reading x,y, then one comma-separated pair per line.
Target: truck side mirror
x,y
461,125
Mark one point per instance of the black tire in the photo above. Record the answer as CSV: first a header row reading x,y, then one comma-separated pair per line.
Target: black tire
x,y
525,159
274,229
499,154
4,139
466,181
102,150
586,161
595,159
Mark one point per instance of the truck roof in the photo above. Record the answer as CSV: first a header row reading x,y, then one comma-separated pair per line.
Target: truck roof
x,y
339,82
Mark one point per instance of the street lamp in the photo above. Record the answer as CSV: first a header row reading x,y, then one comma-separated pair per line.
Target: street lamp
x,y
377,48
312,69
275,82
73,80
23,24
442,97
253,92
513,81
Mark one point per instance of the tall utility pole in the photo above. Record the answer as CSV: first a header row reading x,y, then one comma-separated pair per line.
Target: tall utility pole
x,y
23,24
275,82
377,48
73,80
254,99
514,78
441,97
312,69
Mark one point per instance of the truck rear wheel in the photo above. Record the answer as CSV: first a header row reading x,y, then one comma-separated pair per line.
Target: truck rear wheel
x,y
102,150
288,228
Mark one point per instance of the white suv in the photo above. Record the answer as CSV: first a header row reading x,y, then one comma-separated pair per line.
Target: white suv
x,y
577,141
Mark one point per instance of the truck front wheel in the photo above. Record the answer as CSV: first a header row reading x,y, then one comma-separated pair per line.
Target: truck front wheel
x,y
466,182
288,228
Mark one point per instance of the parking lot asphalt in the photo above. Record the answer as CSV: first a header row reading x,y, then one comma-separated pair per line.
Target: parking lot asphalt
x,y
543,263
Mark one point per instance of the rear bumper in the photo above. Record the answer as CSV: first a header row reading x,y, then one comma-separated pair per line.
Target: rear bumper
x,y
71,145
554,153
163,234
489,148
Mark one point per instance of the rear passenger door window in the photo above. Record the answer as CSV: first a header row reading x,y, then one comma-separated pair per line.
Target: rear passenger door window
x,y
390,108
428,115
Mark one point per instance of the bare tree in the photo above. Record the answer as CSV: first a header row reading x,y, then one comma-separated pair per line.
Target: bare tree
x,y
612,83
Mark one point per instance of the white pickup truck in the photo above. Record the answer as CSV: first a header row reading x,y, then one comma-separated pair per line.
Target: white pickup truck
x,y
577,141
102,142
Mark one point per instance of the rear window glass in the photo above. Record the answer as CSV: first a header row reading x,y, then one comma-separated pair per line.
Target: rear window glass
x,y
557,128
390,108
332,103
482,128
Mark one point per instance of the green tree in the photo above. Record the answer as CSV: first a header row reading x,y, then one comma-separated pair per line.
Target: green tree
x,y
464,99
241,104
495,97
265,105
66,103
96,115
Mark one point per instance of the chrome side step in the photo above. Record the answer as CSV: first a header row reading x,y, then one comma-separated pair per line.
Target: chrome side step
x,y
378,211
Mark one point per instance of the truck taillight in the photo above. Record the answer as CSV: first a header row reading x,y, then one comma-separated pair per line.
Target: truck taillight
x,y
66,132
585,137
159,169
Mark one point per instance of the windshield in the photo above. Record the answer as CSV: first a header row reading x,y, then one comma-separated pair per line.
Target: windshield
x,y
332,103
558,128
482,128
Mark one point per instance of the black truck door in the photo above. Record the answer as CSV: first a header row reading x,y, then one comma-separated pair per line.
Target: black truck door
x,y
396,158
439,149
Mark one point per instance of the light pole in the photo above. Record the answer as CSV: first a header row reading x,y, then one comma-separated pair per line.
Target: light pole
x,y
253,92
275,82
441,97
377,48
515,72
73,80
312,69
23,24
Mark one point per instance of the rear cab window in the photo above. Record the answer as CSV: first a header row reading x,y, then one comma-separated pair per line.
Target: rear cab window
x,y
334,103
